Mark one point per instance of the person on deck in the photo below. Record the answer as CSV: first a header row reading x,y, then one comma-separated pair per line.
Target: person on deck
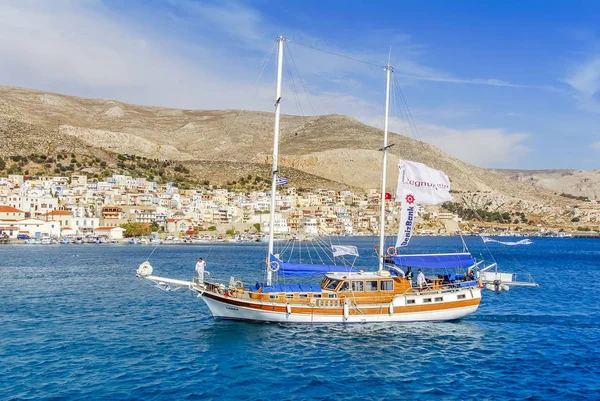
x,y
408,273
200,266
421,282
470,275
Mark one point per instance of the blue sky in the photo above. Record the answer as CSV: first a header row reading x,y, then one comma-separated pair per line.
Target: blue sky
x,y
497,84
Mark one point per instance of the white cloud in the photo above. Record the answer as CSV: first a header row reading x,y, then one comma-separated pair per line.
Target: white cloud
x,y
82,48
585,79
483,147
596,145
491,147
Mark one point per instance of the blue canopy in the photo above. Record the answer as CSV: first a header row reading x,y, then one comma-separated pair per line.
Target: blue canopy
x,y
307,269
435,261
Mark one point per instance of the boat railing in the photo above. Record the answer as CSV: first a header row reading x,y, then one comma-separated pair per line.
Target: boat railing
x,y
442,287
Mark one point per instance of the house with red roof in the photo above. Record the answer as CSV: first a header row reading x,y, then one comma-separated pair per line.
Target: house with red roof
x,y
11,213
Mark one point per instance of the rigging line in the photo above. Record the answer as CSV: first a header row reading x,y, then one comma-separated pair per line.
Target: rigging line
x,y
290,71
398,109
319,255
320,244
293,84
309,255
261,70
168,294
411,119
301,80
151,253
337,54
403,115
292,248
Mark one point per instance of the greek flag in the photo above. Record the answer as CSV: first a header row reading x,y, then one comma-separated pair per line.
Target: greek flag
x,y
281,181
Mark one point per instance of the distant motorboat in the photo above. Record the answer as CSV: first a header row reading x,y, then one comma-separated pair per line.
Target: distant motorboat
x,y
266,239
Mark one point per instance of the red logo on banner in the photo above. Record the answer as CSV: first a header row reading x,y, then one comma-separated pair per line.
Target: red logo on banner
x,y
410,199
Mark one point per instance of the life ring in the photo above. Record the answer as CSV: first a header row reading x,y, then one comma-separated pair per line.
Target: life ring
x,y
391,251
274,269
239,284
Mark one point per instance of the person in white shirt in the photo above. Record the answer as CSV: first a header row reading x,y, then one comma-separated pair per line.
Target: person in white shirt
x,y
421,282
200,265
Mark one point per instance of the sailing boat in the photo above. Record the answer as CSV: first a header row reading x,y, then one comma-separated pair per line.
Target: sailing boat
x,y
346,294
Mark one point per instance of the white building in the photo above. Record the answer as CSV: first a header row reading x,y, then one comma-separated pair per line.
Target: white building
x,y
110,232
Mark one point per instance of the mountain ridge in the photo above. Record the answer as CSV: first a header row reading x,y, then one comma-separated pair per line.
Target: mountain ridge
x,y
339,150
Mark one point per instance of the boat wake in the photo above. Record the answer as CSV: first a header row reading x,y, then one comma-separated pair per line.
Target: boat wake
x,y
557,320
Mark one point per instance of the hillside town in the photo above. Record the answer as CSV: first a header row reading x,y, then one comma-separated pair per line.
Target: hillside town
x,y
120,206
77,207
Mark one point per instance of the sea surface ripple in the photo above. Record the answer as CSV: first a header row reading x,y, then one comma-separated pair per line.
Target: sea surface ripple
x,y
76,324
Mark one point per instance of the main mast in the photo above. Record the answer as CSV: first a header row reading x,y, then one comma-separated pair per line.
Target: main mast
x,y
382,250
280,41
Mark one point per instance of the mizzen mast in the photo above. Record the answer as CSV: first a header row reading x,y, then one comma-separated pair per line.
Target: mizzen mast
x,y
382,251
280,41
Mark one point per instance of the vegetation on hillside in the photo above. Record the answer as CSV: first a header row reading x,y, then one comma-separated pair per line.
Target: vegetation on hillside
x,y
160,171
581,198
139,229
485,215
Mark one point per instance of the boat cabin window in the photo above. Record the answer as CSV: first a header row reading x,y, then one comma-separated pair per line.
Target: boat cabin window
x,y
371,285
273,296
461,296
332,295
439,299
316,295
289,296
332,285
426,300
345,286
358,286
387,285
303,296
410,301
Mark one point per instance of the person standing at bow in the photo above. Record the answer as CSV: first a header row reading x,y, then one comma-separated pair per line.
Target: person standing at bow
x,y
200,266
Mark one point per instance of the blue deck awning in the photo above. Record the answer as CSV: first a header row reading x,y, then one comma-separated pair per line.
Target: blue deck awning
x,y
435,261
289,269
292,288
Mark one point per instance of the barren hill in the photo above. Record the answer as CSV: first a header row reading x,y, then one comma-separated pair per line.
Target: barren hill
x,y
573,182
330,150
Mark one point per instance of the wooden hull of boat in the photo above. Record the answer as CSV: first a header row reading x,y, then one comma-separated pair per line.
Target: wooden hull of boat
x,y
242,309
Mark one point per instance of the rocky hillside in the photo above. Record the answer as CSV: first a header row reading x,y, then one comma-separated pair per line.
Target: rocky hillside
x,y
332,151
573,182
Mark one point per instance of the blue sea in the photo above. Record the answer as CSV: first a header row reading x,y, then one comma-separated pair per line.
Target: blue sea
x,y
76,324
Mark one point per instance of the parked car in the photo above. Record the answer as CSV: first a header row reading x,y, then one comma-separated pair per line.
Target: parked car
x,y
23,236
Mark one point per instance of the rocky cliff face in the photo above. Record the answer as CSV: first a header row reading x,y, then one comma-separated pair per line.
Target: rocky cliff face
x,y
331,150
